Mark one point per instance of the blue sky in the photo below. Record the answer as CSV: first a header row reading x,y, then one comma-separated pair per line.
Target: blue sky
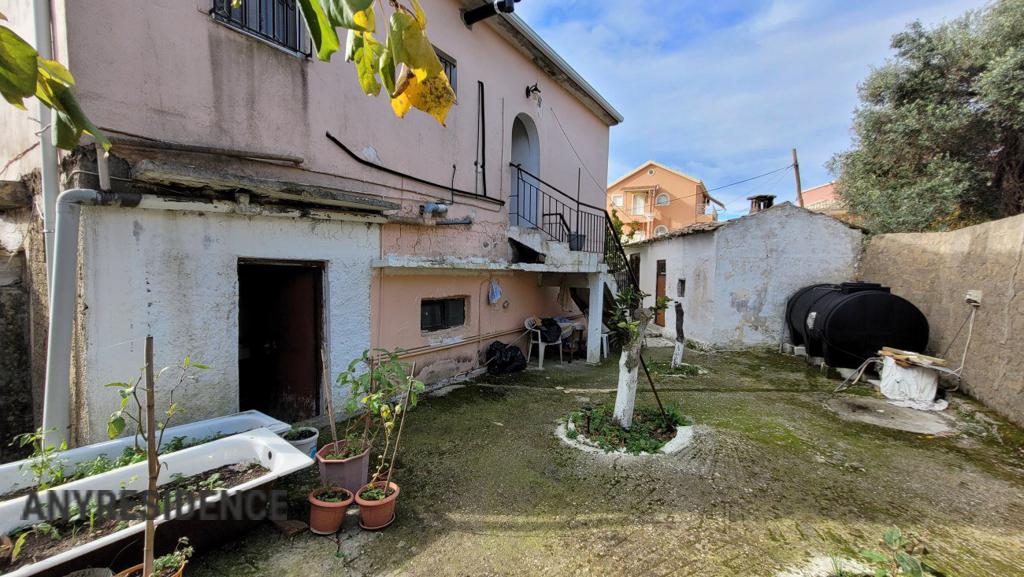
x,y
724,89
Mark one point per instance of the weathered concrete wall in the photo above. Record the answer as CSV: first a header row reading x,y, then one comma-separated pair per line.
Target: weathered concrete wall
x,y
764,258
175,276
15,378
740,275
935,270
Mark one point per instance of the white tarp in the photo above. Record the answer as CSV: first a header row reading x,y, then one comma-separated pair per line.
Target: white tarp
x,y
913,387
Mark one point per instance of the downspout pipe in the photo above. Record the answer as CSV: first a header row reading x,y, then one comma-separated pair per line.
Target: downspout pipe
x,y
47,151
63,293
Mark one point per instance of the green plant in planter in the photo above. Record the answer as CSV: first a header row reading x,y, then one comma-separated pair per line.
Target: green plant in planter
x,y
391,412
170,563
374,381
45,463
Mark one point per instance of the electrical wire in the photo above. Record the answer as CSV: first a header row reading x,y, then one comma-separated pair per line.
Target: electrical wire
x,y
751,178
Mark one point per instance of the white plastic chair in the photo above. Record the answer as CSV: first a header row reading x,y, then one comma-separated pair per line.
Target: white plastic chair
x,y
532,325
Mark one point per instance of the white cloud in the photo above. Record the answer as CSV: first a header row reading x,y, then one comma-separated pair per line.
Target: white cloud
x,y
724,90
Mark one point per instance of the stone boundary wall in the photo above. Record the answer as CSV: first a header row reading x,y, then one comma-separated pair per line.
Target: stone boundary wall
x,y
935,270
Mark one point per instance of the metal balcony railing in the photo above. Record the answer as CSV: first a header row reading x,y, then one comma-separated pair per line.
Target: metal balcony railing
x,y
537,204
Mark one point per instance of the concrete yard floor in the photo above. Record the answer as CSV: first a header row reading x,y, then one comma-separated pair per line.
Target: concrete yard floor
x,y
772,480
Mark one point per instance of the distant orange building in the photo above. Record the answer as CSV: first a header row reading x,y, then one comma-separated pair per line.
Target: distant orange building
x,y
654,199
823,199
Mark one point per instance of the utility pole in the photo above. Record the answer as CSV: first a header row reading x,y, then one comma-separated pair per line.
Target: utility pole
x,y
799,186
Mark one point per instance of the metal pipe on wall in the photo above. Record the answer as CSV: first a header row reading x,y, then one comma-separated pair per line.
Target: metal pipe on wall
x,y
49,182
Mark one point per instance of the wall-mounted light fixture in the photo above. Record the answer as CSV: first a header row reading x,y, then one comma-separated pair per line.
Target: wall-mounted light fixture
x,y
531,90
471,17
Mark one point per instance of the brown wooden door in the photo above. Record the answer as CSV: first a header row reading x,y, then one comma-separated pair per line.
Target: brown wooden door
x,y
280,323
659,292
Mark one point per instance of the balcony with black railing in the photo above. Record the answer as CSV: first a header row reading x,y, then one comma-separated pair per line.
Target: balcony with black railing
x,y
560,217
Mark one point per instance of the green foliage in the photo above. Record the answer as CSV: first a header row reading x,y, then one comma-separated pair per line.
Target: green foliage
x,y
170,563
895,558
376,493
23,74
45,462
939,134
38,529
648,433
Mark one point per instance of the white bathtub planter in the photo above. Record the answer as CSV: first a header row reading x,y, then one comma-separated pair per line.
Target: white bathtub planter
x,y
15,476
681,440
261,446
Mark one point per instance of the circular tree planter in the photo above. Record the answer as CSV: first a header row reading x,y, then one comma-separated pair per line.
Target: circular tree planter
x,y
681,440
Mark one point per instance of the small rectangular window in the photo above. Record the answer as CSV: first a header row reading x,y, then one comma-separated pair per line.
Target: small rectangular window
x,y
681,288
450,69
617,200
276,21
441,314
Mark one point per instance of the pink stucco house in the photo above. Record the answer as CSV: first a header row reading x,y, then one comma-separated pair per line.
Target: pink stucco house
x,y
266,217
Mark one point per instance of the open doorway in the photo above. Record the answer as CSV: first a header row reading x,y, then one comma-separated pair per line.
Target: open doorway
x,y
280,337
659,291
524,198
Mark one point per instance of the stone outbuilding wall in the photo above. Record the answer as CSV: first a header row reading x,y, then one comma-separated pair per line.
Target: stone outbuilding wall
x,y
935,270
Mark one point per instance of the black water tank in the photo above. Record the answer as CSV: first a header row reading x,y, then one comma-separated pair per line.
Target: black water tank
x,y
850,322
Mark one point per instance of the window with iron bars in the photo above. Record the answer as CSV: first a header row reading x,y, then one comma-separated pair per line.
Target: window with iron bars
x,y
450,69
275,21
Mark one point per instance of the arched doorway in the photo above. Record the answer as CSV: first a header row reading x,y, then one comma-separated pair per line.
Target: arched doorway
x,y
524,202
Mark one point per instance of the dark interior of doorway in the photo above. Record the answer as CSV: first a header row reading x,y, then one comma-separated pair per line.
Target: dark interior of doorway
x,y
280,337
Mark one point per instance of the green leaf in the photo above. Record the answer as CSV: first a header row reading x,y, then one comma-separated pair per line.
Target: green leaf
x,y
116,425
321,31
18,545
199,366
76,118
351,14
18,68
874,556
909,565
56,71
893,537
366,53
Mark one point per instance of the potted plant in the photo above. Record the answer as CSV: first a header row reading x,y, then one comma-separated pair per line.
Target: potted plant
x,y
371,382
328,506
377,499
303,439
170,565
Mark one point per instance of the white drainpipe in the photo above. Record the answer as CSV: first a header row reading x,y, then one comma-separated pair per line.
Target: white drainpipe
x,y
57,394
47,151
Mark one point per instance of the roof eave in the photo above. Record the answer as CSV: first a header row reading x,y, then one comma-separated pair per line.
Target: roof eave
x,y
543,54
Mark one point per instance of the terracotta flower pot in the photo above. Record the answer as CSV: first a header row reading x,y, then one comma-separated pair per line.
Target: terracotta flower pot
x,y
136,571
326,517
377,514
350,473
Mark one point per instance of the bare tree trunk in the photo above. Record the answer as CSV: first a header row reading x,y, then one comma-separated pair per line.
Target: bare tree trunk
x,y
680,350
154,465
629,372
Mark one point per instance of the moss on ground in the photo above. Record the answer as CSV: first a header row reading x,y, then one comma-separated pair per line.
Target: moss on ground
x,y
771,479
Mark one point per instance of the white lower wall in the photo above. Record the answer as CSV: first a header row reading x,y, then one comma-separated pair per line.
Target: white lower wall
x,y
174,275
740,276
766,257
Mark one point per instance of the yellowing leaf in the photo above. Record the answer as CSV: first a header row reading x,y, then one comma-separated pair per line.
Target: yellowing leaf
x,y
412,47
351,14
56,71
433,95
365,51
421,16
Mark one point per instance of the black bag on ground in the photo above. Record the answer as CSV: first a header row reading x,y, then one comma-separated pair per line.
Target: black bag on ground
x,y
503,359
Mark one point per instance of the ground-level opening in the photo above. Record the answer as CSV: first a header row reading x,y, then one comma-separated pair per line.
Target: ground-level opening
x,y
659,292
280,337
